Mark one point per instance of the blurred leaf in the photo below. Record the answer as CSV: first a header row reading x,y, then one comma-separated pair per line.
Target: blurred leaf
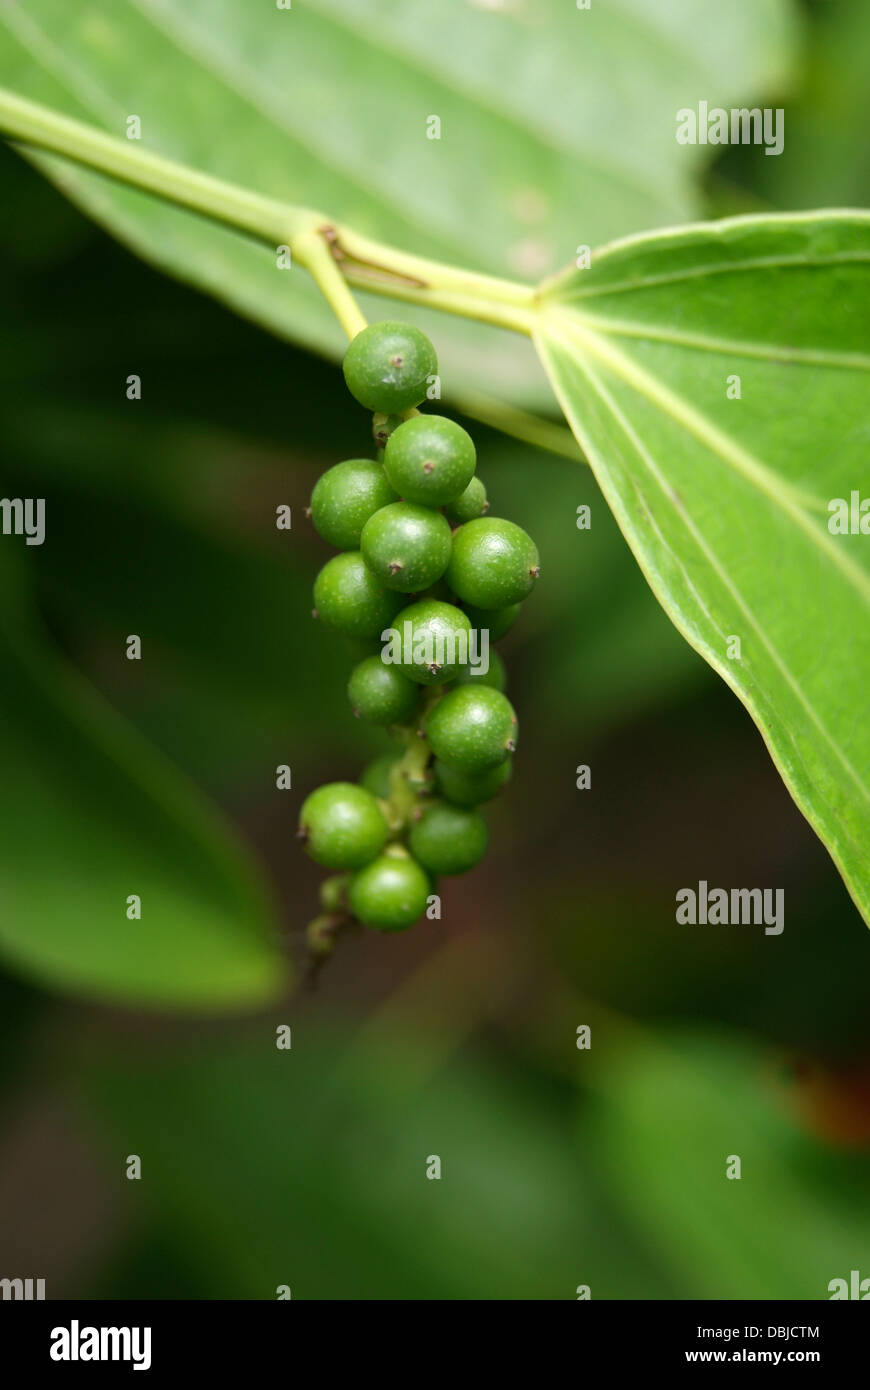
x,y
669,1117
95,815
826,157
725,501
327,105
308,1167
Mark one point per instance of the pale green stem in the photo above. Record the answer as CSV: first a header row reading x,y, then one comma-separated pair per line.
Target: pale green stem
x,y
312,251
364,262
531,429
335,255
265,218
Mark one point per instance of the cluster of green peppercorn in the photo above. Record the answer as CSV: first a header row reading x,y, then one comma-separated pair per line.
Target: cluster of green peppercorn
x,y
419,558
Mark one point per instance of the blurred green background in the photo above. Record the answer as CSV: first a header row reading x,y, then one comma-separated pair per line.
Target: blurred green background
x,y
560,1167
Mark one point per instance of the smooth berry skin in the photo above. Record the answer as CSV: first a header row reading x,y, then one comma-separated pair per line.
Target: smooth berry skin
x,y
389,894
472,729
495,621
448,839
376,777
345,497
495,677
493,563
470,504
434,639
406,547
387,367
471,789
348,598
343,826
430,460
381,694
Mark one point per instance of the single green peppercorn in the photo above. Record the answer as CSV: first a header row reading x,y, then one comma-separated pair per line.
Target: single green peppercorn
x,y
345,497
349,598
493,563
387,367
390,893
430,460
472,729
496,676
342,826
430,642
448,839
381,694
469,504
376,777
470,789
495,621
406,547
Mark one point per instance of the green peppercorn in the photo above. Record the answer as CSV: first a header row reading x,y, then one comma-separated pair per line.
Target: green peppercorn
x,y
387,367
495,621
472,728
471,789
376,777
390,894
496,676
430,641
493,563
406,547
342,826
448,839
429,460
381,694
345,497
349,598
469,504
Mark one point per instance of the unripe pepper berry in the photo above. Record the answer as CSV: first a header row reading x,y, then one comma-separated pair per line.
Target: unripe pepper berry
x,y
469,504
430,460
472,729
345,497
493,563
406,547
471,789
496,676
448,839
495,621
381,694
387,367
342,826
391,893
349,598
376,777
431,641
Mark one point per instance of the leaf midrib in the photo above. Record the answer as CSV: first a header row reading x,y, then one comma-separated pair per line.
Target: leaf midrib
x,y
735,347
570,347
572,328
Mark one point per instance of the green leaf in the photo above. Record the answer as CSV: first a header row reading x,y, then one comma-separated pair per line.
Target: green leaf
x,y
94,816
670,1116
337,1203
825,161
725,501
327,104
